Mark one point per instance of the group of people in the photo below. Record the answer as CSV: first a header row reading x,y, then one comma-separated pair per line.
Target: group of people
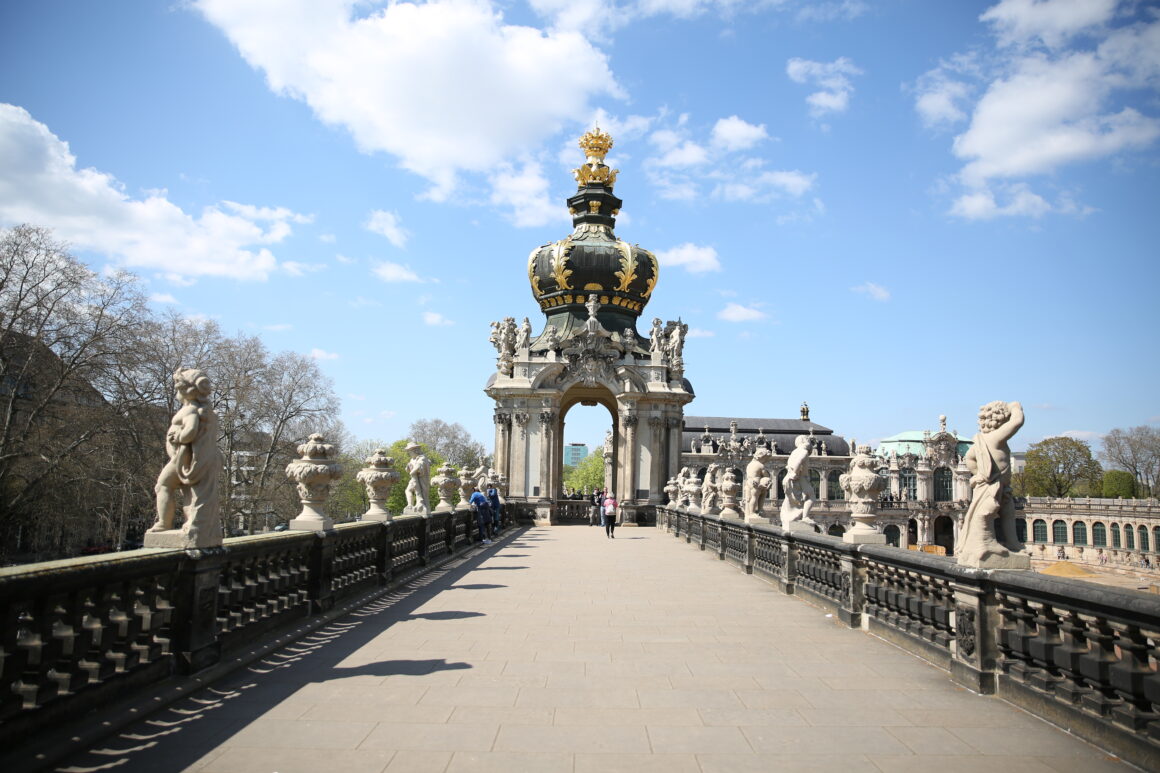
x,y
603,507
488,513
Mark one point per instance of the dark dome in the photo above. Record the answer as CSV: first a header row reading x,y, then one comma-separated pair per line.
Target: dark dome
x,y
593,260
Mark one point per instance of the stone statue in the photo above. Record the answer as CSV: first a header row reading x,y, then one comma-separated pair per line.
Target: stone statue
x,y
799,492
629,339
313,472
479,476
524,337
552,338
656,336
592,324
988,539
863,486
378,476
419,468
757,483
608,443
710,501
673,491
192,469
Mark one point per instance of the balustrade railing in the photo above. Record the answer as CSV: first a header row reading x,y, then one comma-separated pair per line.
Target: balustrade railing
x,y
1083,656
80,632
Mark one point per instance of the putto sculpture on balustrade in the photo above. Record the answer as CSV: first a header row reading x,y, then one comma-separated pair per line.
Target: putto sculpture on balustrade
x,y
757,485
313,473
419,481
191,471
378,476
988,538
799,492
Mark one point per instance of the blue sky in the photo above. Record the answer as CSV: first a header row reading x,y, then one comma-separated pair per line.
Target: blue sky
x,y
892,209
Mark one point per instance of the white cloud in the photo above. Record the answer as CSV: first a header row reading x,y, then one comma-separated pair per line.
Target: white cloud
x,y
733,133
162,298
1082,434
696,259
295,268
421,81
388,224
981,205
1052,22
395,272
838,10
360,302
1052,92
436,319
832,79
525,192
735,312
41,183
322,354
343,259
696,332
327,238
875,291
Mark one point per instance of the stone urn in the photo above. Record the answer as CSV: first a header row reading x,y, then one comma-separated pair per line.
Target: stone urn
x,y
863,486
447,485
466,487
729,488
378,476
313,472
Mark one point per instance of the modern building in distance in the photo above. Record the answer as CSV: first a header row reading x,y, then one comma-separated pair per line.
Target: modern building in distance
x,y
574,453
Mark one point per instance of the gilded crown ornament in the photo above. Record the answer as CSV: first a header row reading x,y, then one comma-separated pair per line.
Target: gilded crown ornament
x,y
595,145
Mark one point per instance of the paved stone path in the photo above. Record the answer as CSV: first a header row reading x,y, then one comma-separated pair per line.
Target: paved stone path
x,y
560,650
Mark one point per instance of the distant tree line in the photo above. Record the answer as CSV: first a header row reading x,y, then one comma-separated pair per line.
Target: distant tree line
x,y
1066,467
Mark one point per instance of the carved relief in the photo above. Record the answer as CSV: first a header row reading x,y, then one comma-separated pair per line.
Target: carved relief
x,y
965,630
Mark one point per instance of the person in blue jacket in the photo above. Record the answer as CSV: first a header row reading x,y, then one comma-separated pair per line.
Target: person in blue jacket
x,y
496,510
482,510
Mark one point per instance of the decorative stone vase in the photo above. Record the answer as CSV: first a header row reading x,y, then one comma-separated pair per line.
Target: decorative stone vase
x,y
313,473
692,492
466,486
729,488
378,476
863,486
447,485
673,492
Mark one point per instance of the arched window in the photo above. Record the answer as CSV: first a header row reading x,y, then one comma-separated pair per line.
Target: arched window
x,y
1156,538
1143,533
816,482
1099,535
943,486
835,530
1059,533
1079,533
833,486
1115,535
1039,530
893,535
912,532
1129,537
908,484
944,533
1021,529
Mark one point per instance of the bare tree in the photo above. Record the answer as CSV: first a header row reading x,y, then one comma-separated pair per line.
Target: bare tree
x,y
451,441
1136,450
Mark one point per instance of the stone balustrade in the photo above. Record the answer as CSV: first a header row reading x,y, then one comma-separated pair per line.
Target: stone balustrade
x,y
1080,655
81,632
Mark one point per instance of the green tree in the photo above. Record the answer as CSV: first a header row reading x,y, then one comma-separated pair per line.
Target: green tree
x,y
1136,450
1119,484
1059,467
397,500
588,475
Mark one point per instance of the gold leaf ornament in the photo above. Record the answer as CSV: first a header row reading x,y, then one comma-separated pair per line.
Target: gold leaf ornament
x,y
560,271
627,271
651,282
535,280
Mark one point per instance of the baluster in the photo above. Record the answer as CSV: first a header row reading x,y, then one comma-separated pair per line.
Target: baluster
x,y
33,686
1042,648
1095,666
96,625
1128,679
1072,687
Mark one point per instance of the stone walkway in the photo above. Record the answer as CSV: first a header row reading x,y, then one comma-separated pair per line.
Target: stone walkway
x,y
560,650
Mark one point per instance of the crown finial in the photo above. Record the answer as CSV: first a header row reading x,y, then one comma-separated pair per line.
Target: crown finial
x,y
596,144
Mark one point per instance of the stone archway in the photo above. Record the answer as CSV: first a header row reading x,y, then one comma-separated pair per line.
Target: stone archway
x,y
588,396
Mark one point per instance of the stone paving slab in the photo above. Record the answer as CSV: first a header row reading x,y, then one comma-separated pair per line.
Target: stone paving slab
x,y
559,650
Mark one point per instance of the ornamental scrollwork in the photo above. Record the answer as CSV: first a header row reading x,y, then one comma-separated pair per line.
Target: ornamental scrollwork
x,y
559,264
627,272
965,630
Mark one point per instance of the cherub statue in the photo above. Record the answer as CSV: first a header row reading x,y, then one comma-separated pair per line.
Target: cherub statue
x,y
799,492
757,483
525,334
656,336
193,466
419,484
988,538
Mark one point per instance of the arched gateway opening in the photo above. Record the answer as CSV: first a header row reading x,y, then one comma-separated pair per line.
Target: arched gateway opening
x,y
592,287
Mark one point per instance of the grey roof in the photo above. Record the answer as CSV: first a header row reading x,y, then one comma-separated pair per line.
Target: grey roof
x,y
721,424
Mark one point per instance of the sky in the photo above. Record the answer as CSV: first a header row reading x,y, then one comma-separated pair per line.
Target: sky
x,y
891,209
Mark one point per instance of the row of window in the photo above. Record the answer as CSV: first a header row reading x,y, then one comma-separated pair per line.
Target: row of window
x,y
1132,537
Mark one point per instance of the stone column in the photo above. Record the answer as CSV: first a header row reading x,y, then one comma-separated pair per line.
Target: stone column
x,y
548,484
657,475
628,487
313,473
378,476
518,465
503,436
673,462
925,477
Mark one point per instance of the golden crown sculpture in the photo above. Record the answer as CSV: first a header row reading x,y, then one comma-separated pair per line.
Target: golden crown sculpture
x,y
596,144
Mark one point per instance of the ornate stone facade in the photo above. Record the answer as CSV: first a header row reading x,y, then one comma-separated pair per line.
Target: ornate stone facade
x,y
592,287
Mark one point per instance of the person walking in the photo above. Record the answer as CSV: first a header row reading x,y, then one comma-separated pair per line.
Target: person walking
x,y
610,516
594,513
482,510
